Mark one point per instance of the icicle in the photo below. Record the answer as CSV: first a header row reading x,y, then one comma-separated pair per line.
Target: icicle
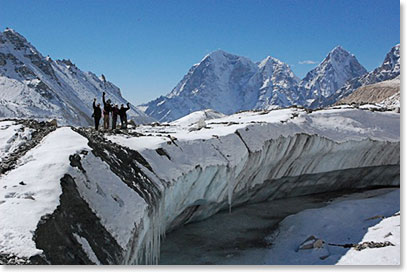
x,y
148,251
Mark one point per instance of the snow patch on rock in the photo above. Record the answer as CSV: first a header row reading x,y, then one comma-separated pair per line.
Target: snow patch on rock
x,y
40,170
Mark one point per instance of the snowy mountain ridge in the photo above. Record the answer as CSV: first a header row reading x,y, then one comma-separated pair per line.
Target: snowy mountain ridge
x,y
34,86
229,83
331,74
389,69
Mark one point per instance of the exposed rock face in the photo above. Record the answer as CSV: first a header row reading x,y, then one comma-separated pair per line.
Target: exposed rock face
x,y
389,69
373,93
39,131
34,86
334,71
59,239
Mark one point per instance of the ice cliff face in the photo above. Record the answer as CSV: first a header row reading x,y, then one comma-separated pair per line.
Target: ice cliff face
x,y
34,86
228,83
108,198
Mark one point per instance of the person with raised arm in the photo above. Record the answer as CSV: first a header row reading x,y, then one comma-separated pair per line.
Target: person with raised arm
x,y
123,115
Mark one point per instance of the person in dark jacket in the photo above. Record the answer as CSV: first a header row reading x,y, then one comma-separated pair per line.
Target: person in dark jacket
x,y
123,115
107,108
115,113
97,113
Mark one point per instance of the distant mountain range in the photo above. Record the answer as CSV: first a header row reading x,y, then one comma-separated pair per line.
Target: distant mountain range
x,y
389,69
34,86
228,83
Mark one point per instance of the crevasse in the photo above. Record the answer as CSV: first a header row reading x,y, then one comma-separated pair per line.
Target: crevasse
x,y
284,167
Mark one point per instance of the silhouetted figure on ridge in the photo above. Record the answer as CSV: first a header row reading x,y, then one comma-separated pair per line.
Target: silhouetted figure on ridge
x,y
123,115
115,113
107,108
97,113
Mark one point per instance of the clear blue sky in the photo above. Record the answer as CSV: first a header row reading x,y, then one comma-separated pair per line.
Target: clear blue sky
x,y
145,47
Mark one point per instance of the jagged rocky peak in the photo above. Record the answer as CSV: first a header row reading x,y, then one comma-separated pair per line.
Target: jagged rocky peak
x,y
269,63
392,61
389,69
338,54
227,83
216,82
273,66
332,73
15,38
277,84
67,62
18,42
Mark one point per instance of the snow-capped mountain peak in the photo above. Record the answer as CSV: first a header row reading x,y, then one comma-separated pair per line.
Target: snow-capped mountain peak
x,y
227,83
389,69
34,86
269,61
332,73
392,60
217,82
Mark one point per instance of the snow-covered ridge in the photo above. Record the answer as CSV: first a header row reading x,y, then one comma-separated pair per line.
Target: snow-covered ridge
x,y
331,74
229,83
389,69
34,86
136,186
198,116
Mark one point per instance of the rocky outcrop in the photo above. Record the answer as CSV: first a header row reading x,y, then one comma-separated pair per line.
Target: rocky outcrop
x,y
39,131
373,93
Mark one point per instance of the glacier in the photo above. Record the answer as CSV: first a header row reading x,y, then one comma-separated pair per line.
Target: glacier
x,y
116,194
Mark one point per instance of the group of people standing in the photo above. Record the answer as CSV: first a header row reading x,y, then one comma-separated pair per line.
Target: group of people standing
x,y
108,108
